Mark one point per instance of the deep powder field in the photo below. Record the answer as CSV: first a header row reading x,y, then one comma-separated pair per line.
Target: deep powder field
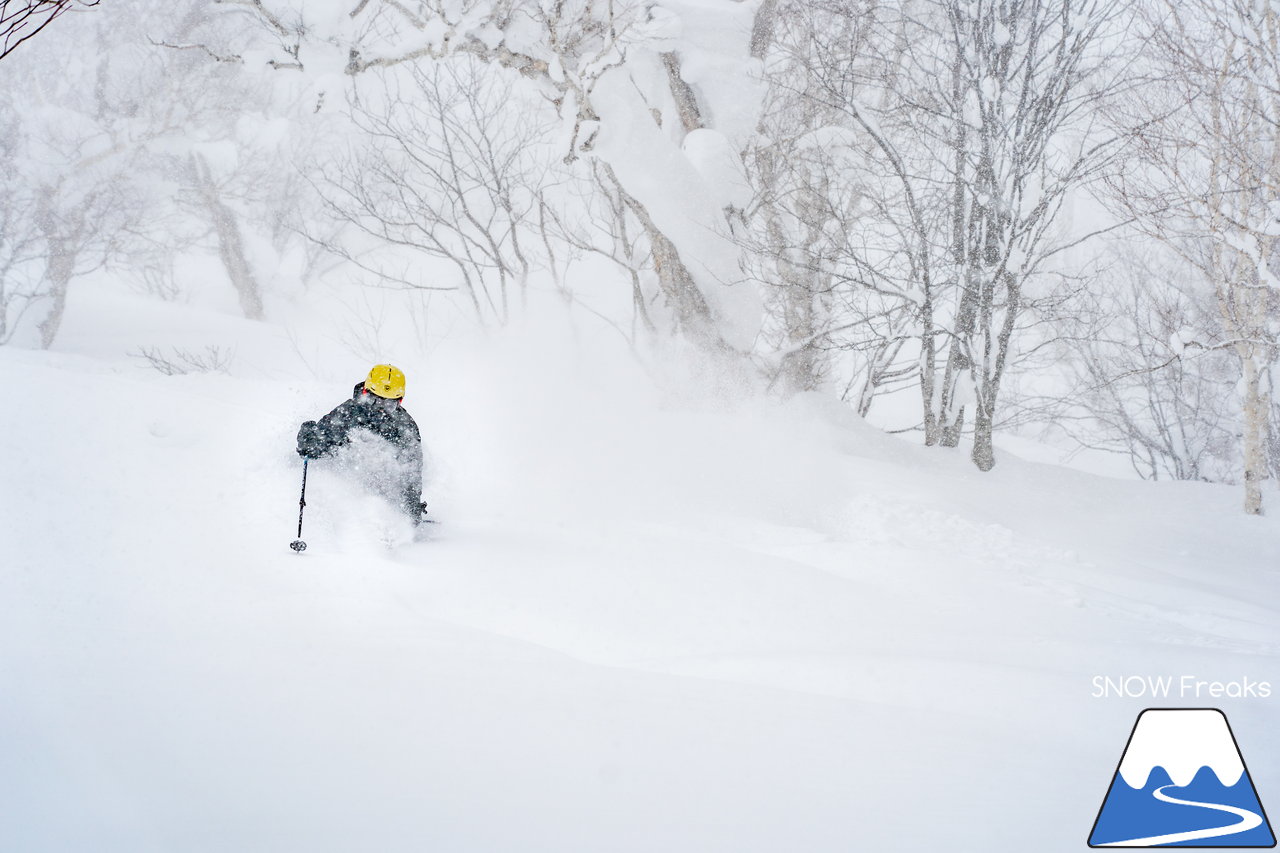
x,y
731,626
846,427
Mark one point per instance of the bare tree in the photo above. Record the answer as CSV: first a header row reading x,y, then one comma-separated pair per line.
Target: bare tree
x,y
444,171
230,238
567,50
239,194
60,221
1206,178
583,218
793,178
980,115
105,164
241,191
837,309
214,359
71,230
23,19
1145,381
21,259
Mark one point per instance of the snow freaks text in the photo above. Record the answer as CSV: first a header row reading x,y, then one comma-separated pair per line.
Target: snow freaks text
x,y
1176,687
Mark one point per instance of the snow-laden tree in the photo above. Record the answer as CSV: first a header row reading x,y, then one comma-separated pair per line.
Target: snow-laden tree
x,y
68,193
129,156
634,84
826,254
1206,181
21,244
235,150
1143,384
980,118
795,211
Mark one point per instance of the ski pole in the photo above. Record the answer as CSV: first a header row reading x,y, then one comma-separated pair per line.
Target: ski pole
x,y
297,544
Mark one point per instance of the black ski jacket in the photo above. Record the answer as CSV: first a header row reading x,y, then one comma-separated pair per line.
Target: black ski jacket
x,y
323,437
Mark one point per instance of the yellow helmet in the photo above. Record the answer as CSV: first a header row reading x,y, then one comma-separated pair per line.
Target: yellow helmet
x,y
386,381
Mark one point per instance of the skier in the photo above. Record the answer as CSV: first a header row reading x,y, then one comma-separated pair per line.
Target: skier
x,y
362,430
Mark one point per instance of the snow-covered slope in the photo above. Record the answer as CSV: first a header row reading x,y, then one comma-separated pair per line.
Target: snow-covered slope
x,y
643,625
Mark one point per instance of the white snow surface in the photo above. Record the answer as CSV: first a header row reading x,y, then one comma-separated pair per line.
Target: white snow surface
x,y
652,618
720,166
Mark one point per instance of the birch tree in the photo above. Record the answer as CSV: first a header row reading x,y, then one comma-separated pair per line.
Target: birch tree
x,y
1207,183
68,192
981,130
825,243
1150,379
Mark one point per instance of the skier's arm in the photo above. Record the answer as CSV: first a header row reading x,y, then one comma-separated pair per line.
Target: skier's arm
x,y
316,438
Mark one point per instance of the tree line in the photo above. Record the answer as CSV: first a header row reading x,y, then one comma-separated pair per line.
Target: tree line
x,y
1056,215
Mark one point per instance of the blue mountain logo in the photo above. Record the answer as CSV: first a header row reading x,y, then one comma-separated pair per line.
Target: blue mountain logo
x,y
1182,783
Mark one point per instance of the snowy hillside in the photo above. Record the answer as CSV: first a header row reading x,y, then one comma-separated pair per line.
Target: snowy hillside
x,y
645,624
841,420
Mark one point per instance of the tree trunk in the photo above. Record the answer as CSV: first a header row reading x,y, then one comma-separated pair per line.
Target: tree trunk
x,y
949,431
928,369
57,276
693,314
804,315
1257,408
60,264
230,242
686,100
949,416
762,28
984,455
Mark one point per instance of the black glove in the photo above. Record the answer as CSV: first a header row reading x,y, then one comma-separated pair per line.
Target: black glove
x,y
311,443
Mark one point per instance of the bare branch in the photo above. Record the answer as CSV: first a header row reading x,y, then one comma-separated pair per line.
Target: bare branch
x,y
21,20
